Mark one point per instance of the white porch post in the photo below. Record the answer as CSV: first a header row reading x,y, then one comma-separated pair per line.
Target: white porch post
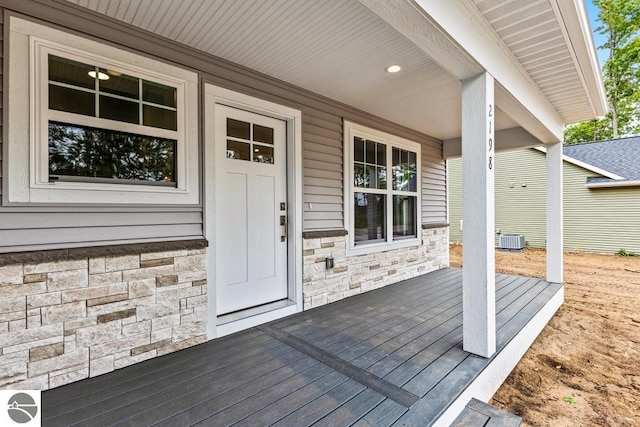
x,y
554,213
478,257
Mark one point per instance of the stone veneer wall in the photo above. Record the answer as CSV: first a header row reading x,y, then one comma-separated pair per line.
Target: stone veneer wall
x,y
353,275
62,321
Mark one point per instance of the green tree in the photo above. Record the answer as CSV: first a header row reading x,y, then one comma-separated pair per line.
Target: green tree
x,y
621,25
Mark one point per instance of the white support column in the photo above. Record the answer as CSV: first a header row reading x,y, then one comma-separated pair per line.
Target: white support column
x,y
478,256
554,213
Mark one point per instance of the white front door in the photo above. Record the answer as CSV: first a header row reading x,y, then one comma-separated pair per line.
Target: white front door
x,y
250,209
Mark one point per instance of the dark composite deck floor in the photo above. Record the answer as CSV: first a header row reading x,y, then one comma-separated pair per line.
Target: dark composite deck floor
x,y
361,361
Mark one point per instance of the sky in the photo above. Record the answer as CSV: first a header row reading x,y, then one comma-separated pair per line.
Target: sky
x,y
598,39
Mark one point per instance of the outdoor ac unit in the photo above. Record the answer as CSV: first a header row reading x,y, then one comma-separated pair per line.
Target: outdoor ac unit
x,y
511,242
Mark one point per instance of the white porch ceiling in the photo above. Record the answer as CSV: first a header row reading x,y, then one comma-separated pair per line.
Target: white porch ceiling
x,y
340,49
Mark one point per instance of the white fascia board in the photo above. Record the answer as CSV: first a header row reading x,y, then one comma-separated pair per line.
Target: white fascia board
x,y
468,28
613,184
579,39
588,167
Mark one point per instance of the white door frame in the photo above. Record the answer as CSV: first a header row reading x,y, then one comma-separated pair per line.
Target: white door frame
x,y
215,95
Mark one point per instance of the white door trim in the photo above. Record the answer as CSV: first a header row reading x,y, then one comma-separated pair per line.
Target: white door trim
x,y
215,95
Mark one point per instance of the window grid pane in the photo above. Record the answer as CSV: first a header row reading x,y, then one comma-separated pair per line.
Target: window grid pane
x,y
108,89
370,217
369,166
404,217
404,170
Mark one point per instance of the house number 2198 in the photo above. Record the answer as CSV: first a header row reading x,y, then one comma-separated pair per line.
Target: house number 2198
x,y
490,136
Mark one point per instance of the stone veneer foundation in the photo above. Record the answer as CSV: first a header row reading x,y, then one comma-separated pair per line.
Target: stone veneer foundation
x,y
65,320
353,275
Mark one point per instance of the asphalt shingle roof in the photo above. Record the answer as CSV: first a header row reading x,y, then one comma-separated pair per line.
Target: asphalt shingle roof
x,y
618,156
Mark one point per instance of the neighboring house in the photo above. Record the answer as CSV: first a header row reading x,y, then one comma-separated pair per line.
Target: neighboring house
x,y
176,171
601,196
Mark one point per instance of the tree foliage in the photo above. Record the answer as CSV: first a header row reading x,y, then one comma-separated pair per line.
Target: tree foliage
x,y
621,25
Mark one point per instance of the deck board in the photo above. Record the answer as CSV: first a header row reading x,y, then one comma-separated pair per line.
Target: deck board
x,y
385,414
323,405
188,384
407,335
291,402
211,351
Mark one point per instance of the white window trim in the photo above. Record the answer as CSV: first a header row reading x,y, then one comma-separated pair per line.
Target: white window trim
x,y
27,121
350,131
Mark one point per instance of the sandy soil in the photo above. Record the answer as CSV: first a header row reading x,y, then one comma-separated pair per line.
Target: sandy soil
x,y
584,369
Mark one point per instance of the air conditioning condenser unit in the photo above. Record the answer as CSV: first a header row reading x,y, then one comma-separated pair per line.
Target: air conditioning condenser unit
x,y
511,242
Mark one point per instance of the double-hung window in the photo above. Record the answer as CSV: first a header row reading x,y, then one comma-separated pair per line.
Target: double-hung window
x,y
382,181
104,125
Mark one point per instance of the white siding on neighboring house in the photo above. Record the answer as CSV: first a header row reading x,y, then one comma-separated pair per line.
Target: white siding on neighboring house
x,y
595,220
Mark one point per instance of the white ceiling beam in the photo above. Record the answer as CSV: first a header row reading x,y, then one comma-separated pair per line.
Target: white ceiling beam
x,y
456,36
506,139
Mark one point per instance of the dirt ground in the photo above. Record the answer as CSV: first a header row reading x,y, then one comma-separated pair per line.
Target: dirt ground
x,y
584,369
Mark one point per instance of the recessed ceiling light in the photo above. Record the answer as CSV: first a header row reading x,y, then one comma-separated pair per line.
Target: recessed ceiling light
x,y
394,68
98,75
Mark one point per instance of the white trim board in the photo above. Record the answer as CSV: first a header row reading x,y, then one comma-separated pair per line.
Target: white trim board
x,y
217,95
621,183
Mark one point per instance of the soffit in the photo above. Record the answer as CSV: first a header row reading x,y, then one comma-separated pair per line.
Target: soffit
x,y
533,32
338,49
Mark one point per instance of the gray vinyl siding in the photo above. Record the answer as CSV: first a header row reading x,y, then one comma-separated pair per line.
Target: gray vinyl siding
x,y
434,191
322,156
454,187
595,220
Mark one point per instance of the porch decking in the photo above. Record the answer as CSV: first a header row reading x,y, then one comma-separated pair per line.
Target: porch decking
x,y
389,356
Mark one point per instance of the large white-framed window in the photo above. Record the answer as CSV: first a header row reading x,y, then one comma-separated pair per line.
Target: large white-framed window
x,y
382,190
100,124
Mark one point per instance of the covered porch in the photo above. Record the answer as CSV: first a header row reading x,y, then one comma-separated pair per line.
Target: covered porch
x,y
392,356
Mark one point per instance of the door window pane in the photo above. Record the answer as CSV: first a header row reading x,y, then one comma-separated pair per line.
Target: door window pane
x,y
263,134
72,100
238,129
91,153
238,150
404,217
262,154
369,217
